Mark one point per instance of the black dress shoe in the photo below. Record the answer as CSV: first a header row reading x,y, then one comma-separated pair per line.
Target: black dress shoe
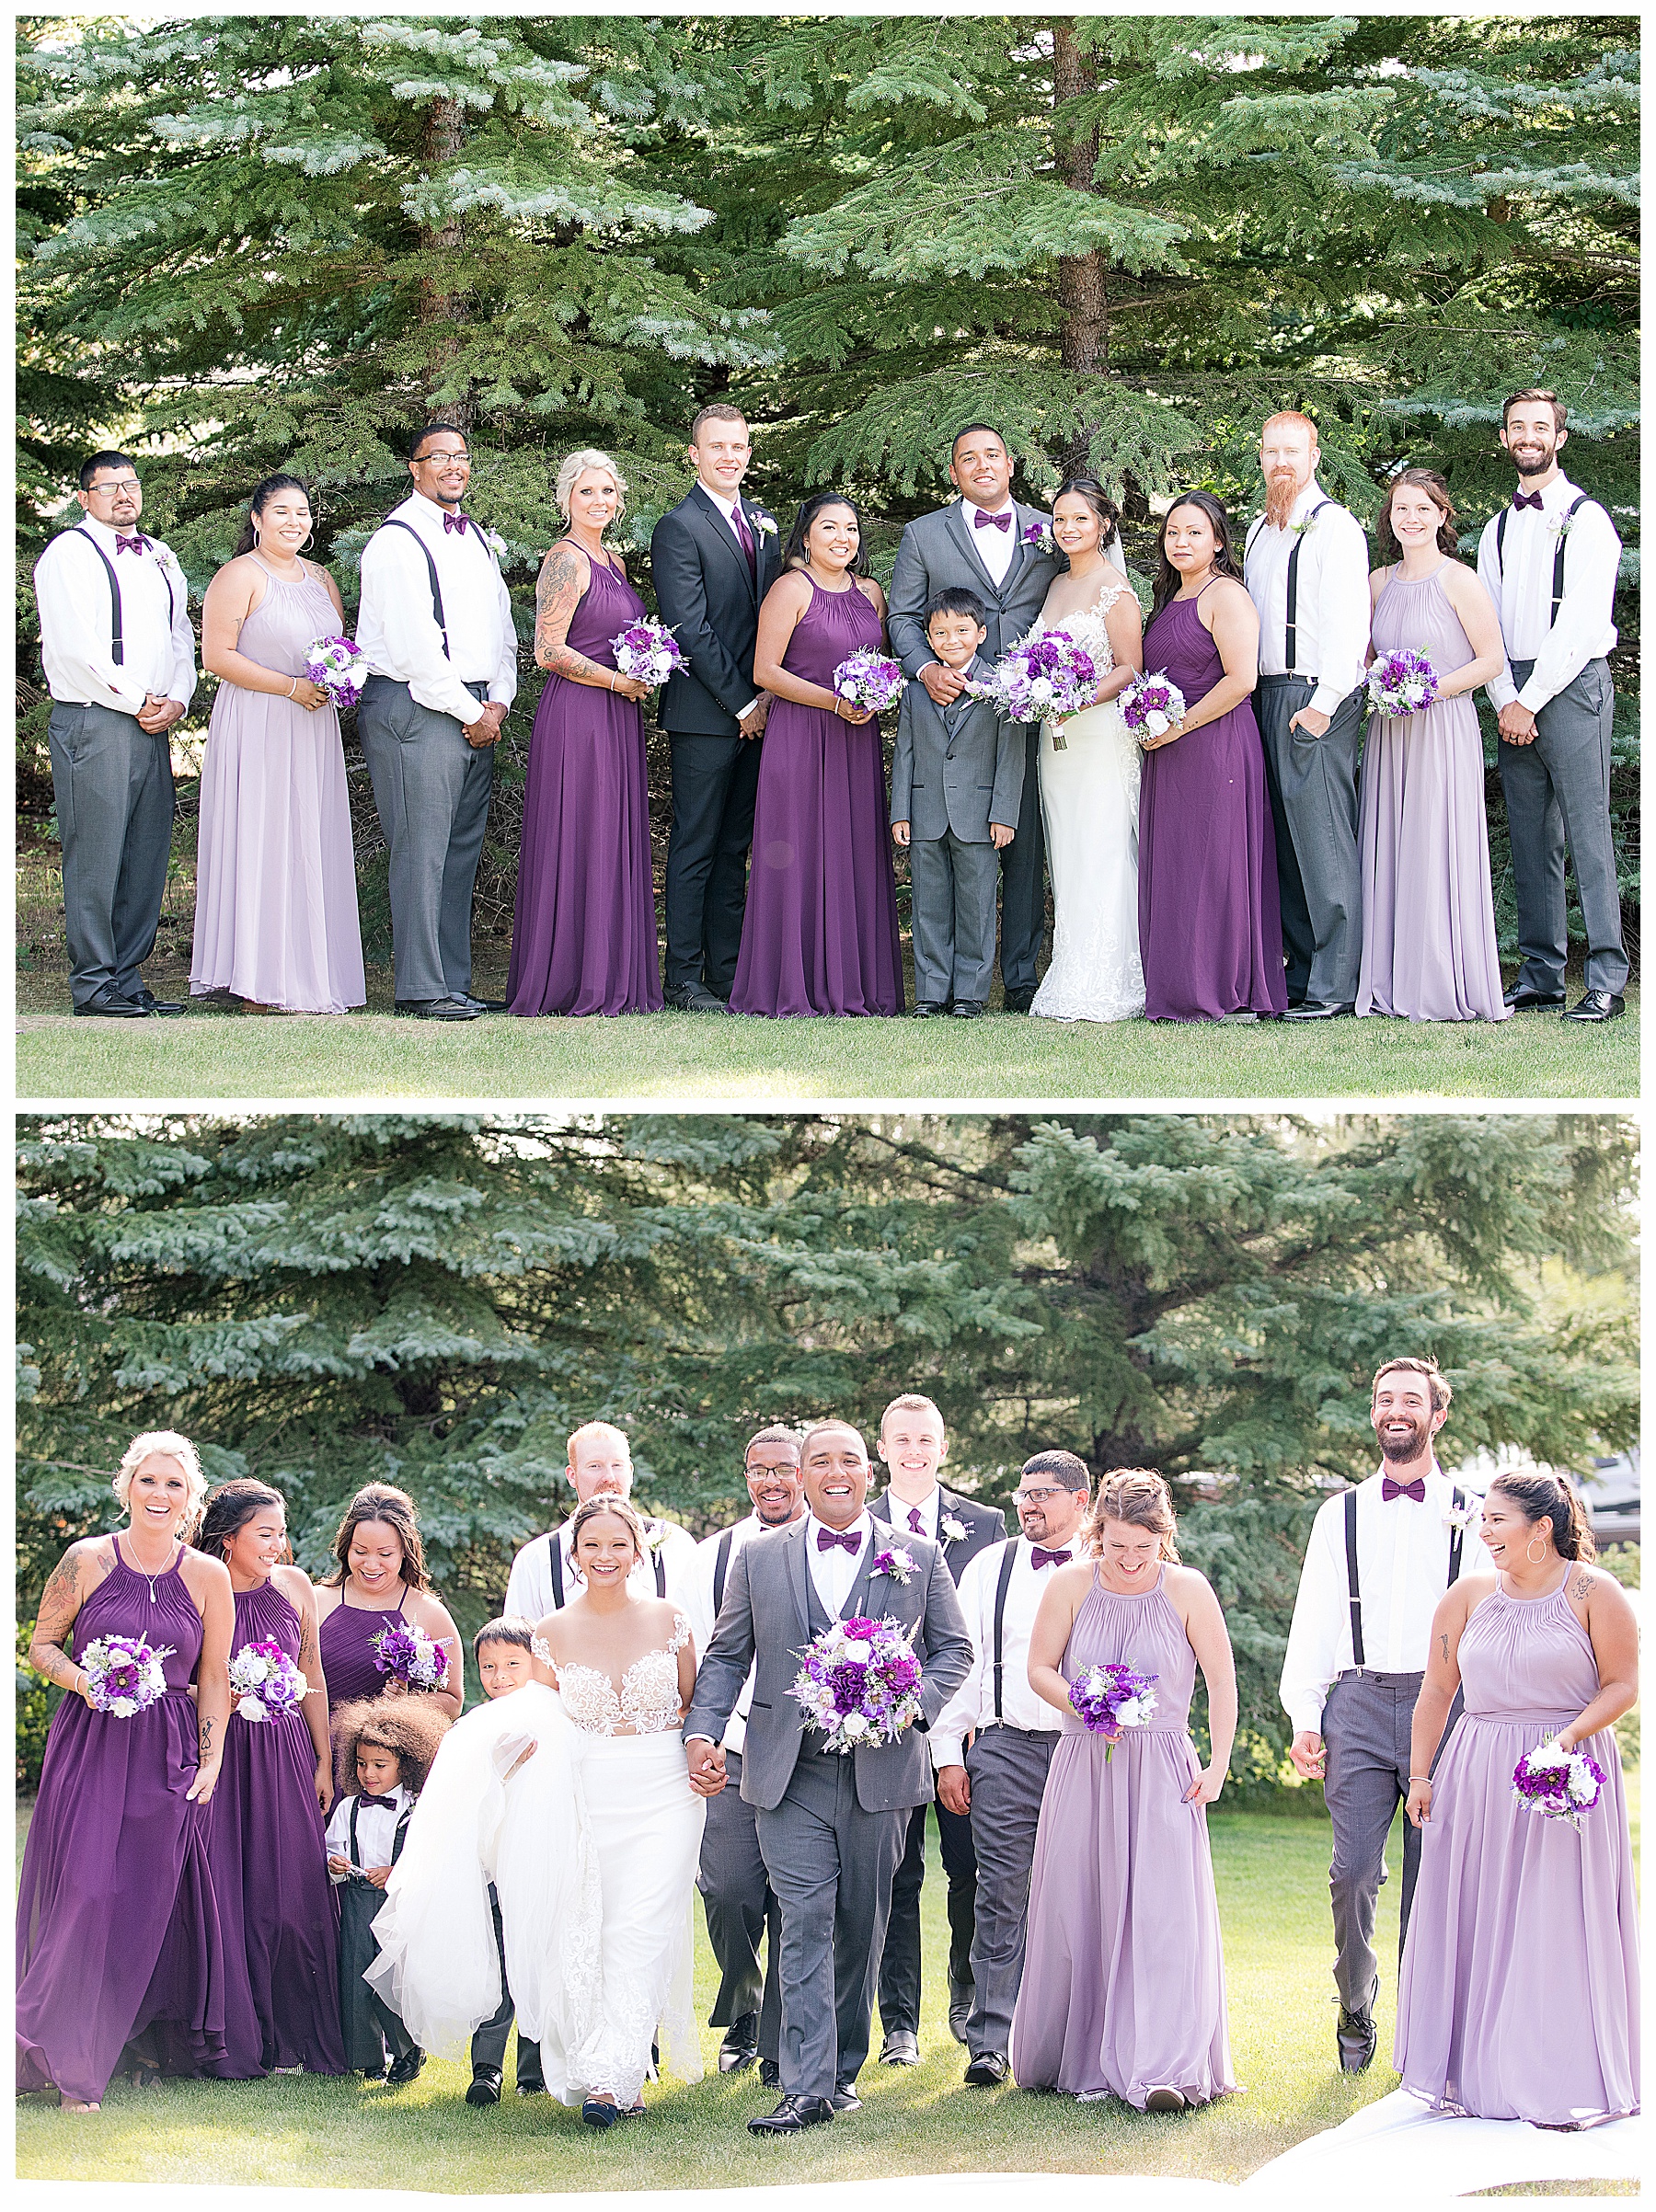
x,y
531,2089
114,1008
846,2098
597,2113
146,998
988,2070
770,2074
437,1010
485,2086
969,1009
1317,1010
482,1005
790,2115
1523,999
404,2069
959,2012
1597,1006
1356,2039
901,2047
1019,1002
923,1009
695,998
740,2044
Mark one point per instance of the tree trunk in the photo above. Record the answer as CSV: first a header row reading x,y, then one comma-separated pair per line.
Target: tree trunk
x,y
439,303
1083,290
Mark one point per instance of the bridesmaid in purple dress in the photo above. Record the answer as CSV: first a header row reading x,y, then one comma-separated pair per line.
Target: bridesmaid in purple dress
x,y
381,1579
119,1959
265,1836
1123,1981
1209,926
276,903
1518,1998
821,931
1429,949
583,935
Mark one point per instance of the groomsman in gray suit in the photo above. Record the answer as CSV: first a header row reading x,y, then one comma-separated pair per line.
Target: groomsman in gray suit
x,y
831,1825
988,544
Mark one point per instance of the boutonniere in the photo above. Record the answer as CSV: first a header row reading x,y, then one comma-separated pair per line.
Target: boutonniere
x,y
1459,1516
1563,526
766,525
896,1562
1040,539
494,541
655,1535
1302,529
952,1528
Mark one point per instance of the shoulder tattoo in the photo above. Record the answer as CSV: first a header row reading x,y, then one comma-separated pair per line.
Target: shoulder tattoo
x,y
1581,1587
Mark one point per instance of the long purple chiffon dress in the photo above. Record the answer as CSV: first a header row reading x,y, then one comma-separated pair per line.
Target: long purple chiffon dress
x,y
269,1870
117,1929
584,931
821,934
1210,922
1519,1993
276,903
345,1638
1123,1981
1429,949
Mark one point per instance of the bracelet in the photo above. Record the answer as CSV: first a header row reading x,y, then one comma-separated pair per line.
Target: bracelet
x,y
1425,1778
293,688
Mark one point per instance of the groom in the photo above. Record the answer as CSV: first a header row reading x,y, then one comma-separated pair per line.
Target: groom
x,y
832,1826
983,541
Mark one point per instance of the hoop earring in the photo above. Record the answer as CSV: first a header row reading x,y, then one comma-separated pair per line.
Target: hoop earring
x,y
1529,1549
310,539
257,537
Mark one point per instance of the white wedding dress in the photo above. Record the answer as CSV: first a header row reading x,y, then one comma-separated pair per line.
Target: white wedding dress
x,y
1089,796
592,1844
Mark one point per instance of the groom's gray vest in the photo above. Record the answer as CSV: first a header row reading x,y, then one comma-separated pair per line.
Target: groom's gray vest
x,y
936,553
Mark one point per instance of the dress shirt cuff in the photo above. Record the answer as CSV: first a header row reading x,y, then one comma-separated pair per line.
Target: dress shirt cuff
x,y
1501,691
1304,1718
743,712
947,1751
1325,700
1535,694
445,694
698,1738
501,692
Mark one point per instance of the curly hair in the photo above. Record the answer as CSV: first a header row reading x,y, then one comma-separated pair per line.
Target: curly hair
x,y
381,1501
1139,1497
412,1726
230,1507
165,1443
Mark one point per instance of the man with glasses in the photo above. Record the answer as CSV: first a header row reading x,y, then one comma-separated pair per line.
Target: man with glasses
x,y
998,1779
120,660
436,629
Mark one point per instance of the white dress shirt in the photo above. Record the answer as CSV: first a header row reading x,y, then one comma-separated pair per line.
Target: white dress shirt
x,y
71,591
930,1509
698,1604
1332,604
994,547
972,1704
1521,585
1402,1572
529,1587
398,629
376,1832
728,508
833,1571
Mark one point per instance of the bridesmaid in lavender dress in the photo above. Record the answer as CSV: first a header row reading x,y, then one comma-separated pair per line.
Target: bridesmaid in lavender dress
x,y
1518,1998
1429,949
381,1579
821,931
265,1836
1123,1982
1209,926
276,904
583,935
120,1958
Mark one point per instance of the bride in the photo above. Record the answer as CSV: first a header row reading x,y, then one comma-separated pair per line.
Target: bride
x,y
1089,777
570,1794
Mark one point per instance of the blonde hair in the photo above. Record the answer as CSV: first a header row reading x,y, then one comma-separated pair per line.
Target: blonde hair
x,y
1139,1497
911,1402
168,1444
574,467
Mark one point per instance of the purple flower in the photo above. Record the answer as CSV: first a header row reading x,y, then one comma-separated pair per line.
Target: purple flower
x,y
859,1682
1151,704
869,680
1113,1697
124,1675
333,662
409,1656
1045,679
861,1627
1402,682
648,650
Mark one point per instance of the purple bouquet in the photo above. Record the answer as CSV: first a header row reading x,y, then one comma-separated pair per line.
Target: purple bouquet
x,y
869,680
334,663
1402,682
649,651
409,1656
266,1681
1043,679
1111,1698
124,1675
1151,704
859,1682
1560,1784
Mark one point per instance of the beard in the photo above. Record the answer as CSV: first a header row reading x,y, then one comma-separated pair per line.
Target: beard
x,y
1533,464
1399,1448
1282,488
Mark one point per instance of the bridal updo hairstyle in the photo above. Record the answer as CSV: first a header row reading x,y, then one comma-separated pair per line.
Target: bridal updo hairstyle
x,y
1139,1497
1436,488
793,553
575,467
1168,582
263,493
167,1444
381,1501
1544,1497
230,1507
412,1728
620,1508
1098,499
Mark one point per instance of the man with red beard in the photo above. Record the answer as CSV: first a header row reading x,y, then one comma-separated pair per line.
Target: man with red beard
x,y
1306,569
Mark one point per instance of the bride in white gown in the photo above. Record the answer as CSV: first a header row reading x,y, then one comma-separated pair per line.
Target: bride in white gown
x,y
570,1796
1090,778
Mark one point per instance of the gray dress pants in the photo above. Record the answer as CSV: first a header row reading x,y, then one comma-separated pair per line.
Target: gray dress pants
x,y
1008,1770
741,1912
1558,794
114,788
1313,787
1365,1727
952,918
432,789
1023,881
489,2041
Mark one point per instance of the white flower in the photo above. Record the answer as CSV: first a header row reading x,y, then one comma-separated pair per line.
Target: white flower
x,y
1580,1785
855,1725
857,1652
1157,724
494,539
897,1563
954,1528
763,524
1545,1757
124,1708
250,1709
1130,1714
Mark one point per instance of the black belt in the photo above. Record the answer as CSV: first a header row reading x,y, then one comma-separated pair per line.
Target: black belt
x,y
1288,679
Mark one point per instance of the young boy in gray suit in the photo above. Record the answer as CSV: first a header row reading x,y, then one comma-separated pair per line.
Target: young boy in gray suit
x,y
956,784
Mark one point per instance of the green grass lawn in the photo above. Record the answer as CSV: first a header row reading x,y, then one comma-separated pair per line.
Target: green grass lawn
x,y
1273,1900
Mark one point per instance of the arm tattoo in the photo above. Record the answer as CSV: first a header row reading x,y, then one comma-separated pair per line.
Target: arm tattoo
x,y
1582,1586
206,1738
556,595
1443,1647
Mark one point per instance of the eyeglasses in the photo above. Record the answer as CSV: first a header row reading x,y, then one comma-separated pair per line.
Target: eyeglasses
x,y
429,457
108,489
1040,1497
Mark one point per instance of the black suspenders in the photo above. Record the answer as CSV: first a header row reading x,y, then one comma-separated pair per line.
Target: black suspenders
x,y
1292,644
391,523
117,642
1456,1536
1558,583
396,1839
721,1567
661,1564
1008,1556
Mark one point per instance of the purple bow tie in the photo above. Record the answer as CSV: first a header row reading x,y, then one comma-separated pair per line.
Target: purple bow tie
x,y
1528,498
456,522
1048,1559
365,1797
132,544
1417,1489
848,1539
982,520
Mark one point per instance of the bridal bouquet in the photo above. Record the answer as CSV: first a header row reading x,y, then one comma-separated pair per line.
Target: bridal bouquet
x,y
1043,679
266,1681
124,1675
334,664
1151,704
1110,1698
409,1656
1560,1784
859,1682
869,680
649,651
1402,682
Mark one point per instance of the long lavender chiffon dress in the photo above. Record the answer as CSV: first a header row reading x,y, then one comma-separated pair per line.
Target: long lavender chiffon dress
x,y
1210,922
270,1872
345,1640
117,1929
276,903
1519,1993
820,935
1429,949
1123,1982
584,931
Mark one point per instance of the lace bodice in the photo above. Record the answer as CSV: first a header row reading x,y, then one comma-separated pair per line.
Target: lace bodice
x,y
1086,626
649,1699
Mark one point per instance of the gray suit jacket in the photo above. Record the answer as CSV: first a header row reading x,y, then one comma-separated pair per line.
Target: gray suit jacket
x,y
763,1624
956,768
938,551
